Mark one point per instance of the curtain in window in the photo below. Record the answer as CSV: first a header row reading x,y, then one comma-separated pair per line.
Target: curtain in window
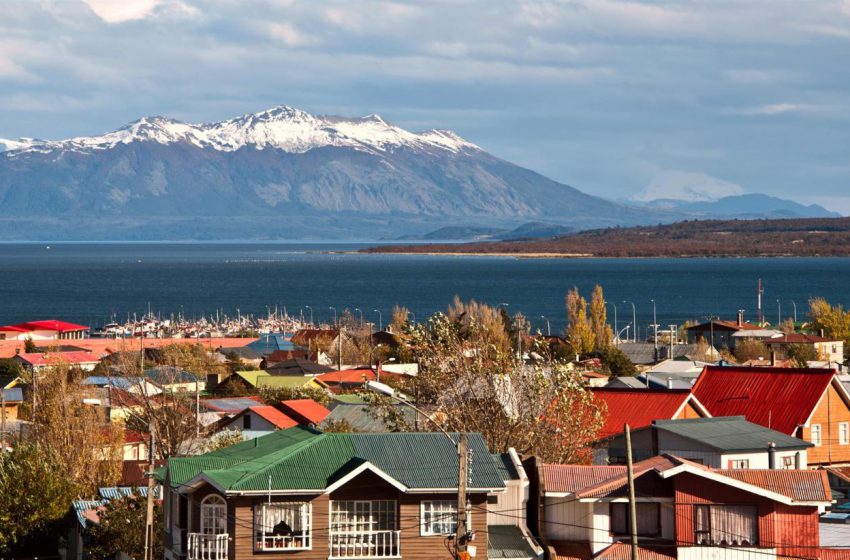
x,y
734,525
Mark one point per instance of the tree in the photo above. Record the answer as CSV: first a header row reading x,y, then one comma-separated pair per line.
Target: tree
x,y
223,439
602,333
750,349
616,362
29,346
400,319
273,395
580,334
36,492
121,528
801,354
834,321
9,367
471,380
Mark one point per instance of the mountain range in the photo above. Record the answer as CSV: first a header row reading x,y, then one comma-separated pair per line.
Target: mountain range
x,y
280,174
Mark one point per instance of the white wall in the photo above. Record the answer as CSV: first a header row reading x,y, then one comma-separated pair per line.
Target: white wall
x,y
511,503
724,553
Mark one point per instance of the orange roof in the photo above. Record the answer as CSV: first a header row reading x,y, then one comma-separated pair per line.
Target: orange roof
x,y
273,415
778,398
639,407
800,486
52,358
623,551
347,376
569,550
110,345
305,411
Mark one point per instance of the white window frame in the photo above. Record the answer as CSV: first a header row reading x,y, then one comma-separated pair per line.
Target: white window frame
x,y
268,542
446,508
816,428
788,462
213,509
740,464
843,433
363,518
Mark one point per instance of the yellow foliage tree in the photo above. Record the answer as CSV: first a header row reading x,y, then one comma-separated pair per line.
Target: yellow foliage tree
x,y
580,334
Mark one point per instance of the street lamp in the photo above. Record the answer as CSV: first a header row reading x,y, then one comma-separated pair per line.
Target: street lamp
x,y
380,319
778,313
311,315
462,535
412,314
795,312
548,329
335,317
361,315
634,320
655,323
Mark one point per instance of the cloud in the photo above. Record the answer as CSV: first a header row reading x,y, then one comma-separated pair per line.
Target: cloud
x,y
289,35
117,11
772,109
690,186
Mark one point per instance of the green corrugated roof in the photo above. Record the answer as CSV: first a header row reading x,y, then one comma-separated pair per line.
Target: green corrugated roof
x,y
288,381
303,459
252,376
350,398
730,433
507,542
505,466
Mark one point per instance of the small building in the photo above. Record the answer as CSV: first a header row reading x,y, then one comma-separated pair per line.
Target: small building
x,y
50,329
304,411
826,349
38,361
346,380
726,442
10,401
175,379
141,386
257,421
229,406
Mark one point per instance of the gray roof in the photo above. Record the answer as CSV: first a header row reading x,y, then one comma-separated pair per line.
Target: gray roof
x,y
834,534
624,382
506,542
357,416
730,433
644,353
13,395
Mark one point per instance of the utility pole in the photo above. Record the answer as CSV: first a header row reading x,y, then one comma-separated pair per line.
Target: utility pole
x,y
655,324
761,291
632,506
2,420
462,475
149,518
197,408
339,348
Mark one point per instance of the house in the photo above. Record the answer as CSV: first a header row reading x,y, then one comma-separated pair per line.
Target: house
x,y
720,442
258,421
647,354
308,494
10,401
639,407
50,329
297,366
229,406
38,361
508,534
284,355
135,385
304,411
685,511
720,334
314,339
347,379
245,354
810,404
174,379
827,349
290,382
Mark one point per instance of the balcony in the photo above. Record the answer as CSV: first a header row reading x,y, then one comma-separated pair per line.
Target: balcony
x,y
365,544
207,547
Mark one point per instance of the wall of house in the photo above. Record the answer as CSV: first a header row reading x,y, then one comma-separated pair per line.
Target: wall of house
x,y
829,413
511,503
567,519
11,411
689,411
761,459
724,553
258,424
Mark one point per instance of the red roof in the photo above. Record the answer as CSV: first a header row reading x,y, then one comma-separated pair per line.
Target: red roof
x,y
273,415
568,479
50,358
623,551
639,407
346,376
48,325
778,398
305,411
800,486
798,338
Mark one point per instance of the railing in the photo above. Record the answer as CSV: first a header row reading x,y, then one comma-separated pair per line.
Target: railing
x,y
207,547
365,544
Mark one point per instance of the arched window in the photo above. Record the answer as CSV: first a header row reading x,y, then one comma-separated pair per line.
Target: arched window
x,y
213,515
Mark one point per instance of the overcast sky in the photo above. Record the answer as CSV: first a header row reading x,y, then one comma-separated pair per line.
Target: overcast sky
x,y
609,97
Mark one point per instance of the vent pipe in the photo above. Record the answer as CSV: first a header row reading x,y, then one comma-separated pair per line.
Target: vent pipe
x,y
771,455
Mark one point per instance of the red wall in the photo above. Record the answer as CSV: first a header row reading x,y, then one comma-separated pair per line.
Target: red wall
x,y
780,526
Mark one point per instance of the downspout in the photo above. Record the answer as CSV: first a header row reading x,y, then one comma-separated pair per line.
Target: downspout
x,y
526,495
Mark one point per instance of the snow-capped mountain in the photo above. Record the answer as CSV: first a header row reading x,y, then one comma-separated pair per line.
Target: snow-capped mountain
x,y
280,173
282,127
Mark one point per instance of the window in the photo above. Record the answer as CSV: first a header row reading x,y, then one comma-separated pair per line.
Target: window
x,y
283,526
364,529
816,435
648,519
843,433
726,525
246,421
213,515
788,462
439,517
739,464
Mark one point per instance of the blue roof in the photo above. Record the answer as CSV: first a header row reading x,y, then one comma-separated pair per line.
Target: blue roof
x,y
268,343
82,506
15,394
116,492
102,381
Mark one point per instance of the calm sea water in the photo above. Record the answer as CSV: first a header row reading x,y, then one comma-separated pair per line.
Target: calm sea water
x,y
90,283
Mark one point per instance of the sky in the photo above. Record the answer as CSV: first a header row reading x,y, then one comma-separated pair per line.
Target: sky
x,y
619,99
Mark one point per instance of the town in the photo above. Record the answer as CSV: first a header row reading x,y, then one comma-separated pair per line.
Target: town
x,y
464,435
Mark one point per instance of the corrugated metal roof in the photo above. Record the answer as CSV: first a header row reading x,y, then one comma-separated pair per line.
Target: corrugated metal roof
x,y
623,551
730,433
800,486
505,466
359,418
779,398
638,407
507,542
231,404
300,458
48,358
569,550
83,510
269,413
116,492
305,411
286,381
13,395
572,478
251,376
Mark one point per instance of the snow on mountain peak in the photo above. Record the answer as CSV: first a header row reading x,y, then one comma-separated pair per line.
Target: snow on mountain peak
x,y
674,184
280,127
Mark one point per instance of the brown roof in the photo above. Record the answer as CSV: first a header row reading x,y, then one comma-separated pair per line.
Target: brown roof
x,y
569,479
841,472
733,325
643,472
623,551
568,550
798,338
800,486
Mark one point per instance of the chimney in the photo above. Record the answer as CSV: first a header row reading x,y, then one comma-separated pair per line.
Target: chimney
x,y
773,358
17,351
798,461
740,317
669,382
771,455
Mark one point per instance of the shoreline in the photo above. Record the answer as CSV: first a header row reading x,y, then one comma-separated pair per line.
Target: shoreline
x,y
544,255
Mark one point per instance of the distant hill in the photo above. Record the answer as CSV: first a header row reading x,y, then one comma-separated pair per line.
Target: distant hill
x,y
746,206
531,230
698,238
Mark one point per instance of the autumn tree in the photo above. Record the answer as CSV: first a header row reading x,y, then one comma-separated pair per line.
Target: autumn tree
x,y
121,529
471,380
602,333
580,334
801,354
400,319
834,321
750,349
